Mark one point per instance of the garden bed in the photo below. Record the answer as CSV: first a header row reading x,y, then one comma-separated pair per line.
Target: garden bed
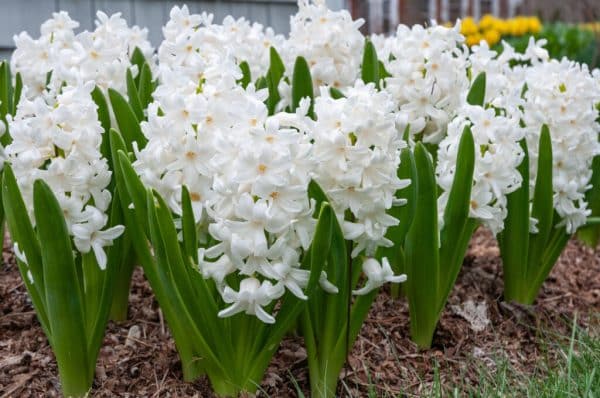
x,y
138,357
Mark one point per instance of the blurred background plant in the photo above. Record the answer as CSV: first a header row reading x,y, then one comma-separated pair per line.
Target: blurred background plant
x,y
578,42
493,29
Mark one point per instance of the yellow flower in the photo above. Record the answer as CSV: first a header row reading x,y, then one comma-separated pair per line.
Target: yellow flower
x,y
468,26
487,22
502,26
534,25
491,36
473,39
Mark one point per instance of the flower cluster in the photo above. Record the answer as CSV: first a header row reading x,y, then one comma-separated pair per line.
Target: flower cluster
x,y
497,156
330,41
247,172
357,152
247,177
562,95
61,56
534,90
200,49
428,77
57,139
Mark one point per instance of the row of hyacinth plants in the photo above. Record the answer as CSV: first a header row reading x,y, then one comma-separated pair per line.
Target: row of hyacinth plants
x,y
270,185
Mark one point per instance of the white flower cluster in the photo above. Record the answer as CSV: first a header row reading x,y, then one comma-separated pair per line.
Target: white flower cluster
x,y
524,92
563,95
428,77
247,177
497,156
505,82
102,56
198,48
357,152
248,173
330,41
57,139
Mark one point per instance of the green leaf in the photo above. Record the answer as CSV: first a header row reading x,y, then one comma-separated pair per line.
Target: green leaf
x,y
274,75
64,298
370,64
22,232
104,118
556,243
145,86
246,75
135,189
514,239
590,235
458,227
383,73
543,203
127,121
138,229
134,98
333,308
476,94
302,85
137,58
190,237
335,93
103,112
177,288
422,253
316,193
261,83
17,93
6,91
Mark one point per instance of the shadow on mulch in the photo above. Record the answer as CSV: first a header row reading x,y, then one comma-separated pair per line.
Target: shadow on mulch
x,y
383,357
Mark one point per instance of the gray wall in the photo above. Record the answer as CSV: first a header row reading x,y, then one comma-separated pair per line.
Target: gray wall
x,y
20,15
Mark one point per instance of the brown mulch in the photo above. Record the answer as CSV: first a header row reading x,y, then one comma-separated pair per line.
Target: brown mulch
x,y
383,356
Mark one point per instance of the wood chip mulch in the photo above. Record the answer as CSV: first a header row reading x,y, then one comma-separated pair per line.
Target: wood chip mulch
x,y
477,329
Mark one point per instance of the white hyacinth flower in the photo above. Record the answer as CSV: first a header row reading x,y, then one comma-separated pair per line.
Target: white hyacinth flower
x,y
251,298
377,275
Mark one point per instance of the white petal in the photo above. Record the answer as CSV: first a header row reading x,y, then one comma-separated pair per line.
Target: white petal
x,y
263,315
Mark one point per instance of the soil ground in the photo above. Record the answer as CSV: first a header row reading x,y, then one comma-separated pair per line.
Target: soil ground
x,y
477,329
